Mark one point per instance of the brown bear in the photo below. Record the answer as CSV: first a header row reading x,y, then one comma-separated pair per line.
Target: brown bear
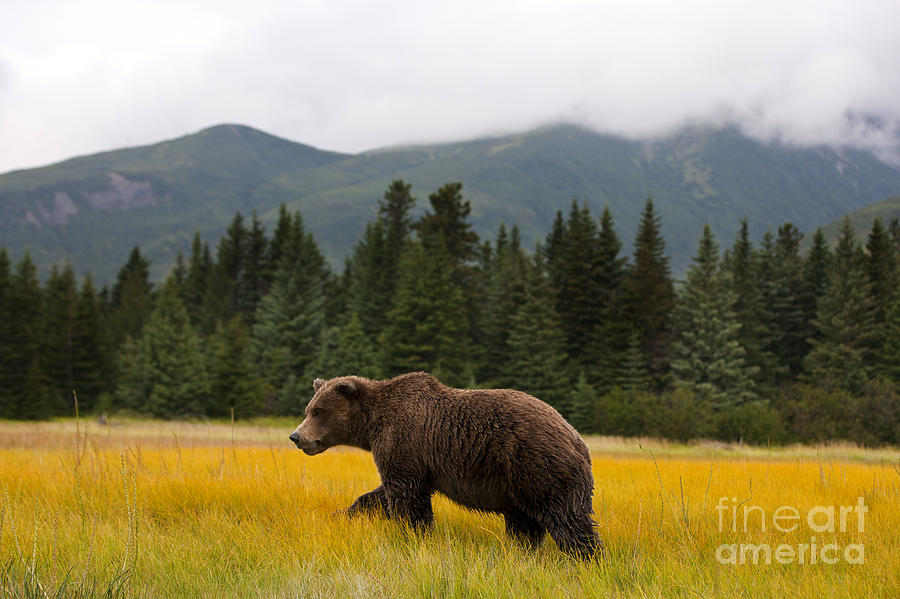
x,y
498,450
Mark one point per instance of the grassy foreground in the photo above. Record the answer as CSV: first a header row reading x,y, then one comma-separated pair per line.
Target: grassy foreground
x,y
162,509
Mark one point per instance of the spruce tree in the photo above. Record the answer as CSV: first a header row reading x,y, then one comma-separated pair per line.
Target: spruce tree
x,y
134,381
650,294
841,354
136,267
233,383
226,294
504,295
792,320
632,371
58,347
707,354
428,326
751,308
817,266
253,280
583,405
132,298
281,237
578,300
289,320
25,380
167,376
347,350
881,268
7,349
179,274
198,275
894,230
537,360
447,223
889,356
552,249
371,290
89,359
611,339
394,212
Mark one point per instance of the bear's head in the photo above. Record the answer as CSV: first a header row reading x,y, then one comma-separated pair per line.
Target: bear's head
x,y
334,416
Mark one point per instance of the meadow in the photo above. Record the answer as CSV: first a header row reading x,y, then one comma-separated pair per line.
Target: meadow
x,y
193,509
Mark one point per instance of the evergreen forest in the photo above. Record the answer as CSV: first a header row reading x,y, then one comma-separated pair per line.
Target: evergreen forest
x,y
761,341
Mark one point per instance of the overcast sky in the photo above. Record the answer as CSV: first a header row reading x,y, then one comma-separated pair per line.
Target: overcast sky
x,y
80,76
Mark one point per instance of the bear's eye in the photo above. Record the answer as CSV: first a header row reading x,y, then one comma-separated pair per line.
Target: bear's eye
x,y
316,412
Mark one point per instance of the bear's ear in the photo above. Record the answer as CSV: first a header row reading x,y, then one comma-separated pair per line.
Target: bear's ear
x,y
317,384
347,389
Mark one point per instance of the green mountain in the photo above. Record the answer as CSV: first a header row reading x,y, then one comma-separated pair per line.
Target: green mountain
x,y
863,218
93,209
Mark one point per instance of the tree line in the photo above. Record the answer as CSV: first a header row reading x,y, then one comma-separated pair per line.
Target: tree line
x,y
762,342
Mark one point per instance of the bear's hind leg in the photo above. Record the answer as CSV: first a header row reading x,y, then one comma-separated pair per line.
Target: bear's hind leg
x,y
577,536
523,529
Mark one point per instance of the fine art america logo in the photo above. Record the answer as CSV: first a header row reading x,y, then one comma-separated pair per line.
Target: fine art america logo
x,y
819,520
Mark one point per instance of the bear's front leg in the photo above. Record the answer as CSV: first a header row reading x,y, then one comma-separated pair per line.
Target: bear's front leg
x,y
373,501
410,503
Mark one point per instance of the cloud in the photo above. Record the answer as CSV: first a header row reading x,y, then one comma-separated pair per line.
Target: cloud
x,y
356,75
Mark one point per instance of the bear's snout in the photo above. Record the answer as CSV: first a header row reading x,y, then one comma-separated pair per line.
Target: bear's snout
x,y
309,446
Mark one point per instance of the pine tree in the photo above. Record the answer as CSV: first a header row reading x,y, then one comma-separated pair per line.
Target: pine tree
x,y
889,356
505,294
7,349
135,381
281,238
894,230
167,376
179,274
25,381
394,211
553,248
427,326
751,308
650,295
707,354
289,320
792,319
537,361
611,339
58,344
841,355
89,358
198,275
233,383
347,350
578,301
632,371
448,223
881,268
817,266
584,405
372,286
226,294
253,280
136,267
132,298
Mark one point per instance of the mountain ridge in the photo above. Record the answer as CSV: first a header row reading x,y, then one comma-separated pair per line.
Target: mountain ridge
x,y
91,209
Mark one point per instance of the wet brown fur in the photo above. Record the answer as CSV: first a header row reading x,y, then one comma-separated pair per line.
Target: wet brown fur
x,y
500,451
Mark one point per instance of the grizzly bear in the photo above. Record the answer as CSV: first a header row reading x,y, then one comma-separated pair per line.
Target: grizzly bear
x,y
499,451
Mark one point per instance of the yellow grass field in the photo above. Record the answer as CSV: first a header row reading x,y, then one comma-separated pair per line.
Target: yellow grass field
x,y
159,509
